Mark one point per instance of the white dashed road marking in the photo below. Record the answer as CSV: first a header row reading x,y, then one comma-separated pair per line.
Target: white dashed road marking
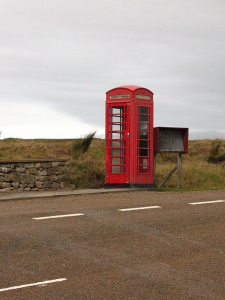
x,y
139,208
207,202
43,283
59,216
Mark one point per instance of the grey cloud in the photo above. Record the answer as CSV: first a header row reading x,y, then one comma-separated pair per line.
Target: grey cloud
x,y
67,54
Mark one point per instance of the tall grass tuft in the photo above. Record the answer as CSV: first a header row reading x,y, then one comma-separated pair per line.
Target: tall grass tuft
x,y
81,146
217,154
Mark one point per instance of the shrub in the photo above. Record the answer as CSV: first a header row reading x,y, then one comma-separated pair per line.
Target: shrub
x,y
88,172
217,154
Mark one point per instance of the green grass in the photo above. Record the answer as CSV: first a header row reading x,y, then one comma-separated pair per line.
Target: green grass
x,y
87,171
197,172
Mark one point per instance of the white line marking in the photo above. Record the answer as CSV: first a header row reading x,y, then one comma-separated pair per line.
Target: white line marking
x,y
32,284
206,202
59,216
138,208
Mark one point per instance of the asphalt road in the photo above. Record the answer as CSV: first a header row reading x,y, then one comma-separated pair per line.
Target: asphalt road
x,y
168,249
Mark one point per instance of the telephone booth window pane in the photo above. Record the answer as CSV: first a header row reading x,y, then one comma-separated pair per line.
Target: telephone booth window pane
x,y
117,142
144,110
143,139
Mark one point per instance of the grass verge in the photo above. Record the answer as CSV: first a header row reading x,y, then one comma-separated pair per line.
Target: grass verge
x,y
87,170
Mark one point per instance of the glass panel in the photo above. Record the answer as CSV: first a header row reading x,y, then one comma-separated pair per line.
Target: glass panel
x,y
144,118
117,161
143,165
116,169
116,135
116,126
117,143
144,110
117,153
116,119
117,110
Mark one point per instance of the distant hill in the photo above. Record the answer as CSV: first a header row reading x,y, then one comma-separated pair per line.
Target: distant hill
x,y
206,135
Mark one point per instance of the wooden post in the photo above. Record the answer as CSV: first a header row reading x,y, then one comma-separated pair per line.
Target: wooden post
x,y
179,165
170,174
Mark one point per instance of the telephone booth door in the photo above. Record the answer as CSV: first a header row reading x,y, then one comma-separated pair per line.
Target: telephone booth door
x,y
144,143
117,143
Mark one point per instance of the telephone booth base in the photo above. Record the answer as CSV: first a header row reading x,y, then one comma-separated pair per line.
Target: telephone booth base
x,y
131,186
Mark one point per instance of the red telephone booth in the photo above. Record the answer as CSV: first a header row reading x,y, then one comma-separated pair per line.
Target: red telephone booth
x,y
129,137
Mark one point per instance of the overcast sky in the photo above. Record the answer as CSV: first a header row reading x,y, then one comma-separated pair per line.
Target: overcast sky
x,y
58,58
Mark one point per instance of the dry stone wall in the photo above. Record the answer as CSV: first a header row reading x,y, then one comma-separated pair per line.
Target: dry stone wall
x,y
34,174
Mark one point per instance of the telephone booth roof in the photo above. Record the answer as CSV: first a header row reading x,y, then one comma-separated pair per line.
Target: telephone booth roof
x,y
131,88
